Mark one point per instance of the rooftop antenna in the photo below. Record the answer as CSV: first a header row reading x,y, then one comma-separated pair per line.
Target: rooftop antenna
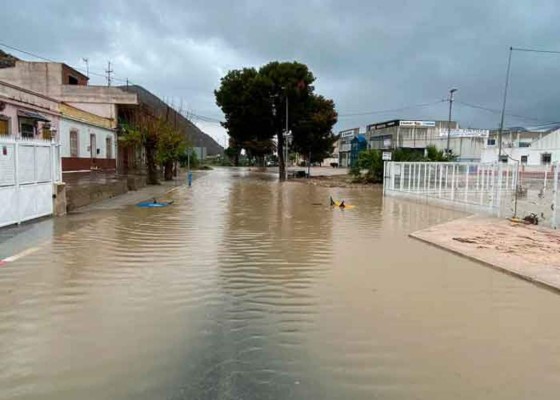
x,y
86,61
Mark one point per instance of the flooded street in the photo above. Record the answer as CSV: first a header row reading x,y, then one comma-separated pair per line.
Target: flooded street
x,y
246,288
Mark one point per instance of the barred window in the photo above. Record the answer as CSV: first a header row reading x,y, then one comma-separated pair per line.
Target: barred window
x,y
73,143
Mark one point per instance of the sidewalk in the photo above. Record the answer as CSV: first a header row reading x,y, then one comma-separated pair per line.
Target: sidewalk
x,y
526,251
15,239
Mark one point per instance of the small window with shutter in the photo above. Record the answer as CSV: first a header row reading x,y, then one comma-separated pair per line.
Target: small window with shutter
x,y
109,147
4,125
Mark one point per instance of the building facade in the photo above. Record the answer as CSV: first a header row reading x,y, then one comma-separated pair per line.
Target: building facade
x,y
345,147
466,144
88,141
27,115
533,147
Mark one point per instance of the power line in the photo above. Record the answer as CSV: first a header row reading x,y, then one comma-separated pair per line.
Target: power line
x,y
495,111
391,110
535,50
25,52
110,77
86,70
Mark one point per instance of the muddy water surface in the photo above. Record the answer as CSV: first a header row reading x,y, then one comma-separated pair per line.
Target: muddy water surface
x,y
250,289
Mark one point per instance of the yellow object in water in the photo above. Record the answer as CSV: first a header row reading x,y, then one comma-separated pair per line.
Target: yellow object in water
x,y
345,206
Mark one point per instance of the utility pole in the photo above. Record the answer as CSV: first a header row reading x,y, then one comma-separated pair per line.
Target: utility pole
x,y
500,132
448,150
108,71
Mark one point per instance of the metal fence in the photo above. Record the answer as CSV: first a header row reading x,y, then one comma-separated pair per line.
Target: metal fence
x,y
28,169
503,190
537,193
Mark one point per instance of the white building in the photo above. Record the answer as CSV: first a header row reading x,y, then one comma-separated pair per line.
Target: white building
x,y
466,144
87,141
90,113
527,146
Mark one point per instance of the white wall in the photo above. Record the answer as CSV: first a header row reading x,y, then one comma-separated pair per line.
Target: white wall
x,y
84,132
490,155
547,144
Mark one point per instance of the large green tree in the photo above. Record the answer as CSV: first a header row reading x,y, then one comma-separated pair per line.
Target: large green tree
x,y
244,97
261,105
313,137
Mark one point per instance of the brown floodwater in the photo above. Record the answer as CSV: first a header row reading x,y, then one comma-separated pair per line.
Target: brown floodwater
x,y
246,288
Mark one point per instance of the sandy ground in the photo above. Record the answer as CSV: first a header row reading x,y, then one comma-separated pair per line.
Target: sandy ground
x,y
528,251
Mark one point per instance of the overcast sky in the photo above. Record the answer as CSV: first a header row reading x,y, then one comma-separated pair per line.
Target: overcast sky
x,y
368,55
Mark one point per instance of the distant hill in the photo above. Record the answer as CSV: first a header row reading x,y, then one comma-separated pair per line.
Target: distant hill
x,y
7,60
194,134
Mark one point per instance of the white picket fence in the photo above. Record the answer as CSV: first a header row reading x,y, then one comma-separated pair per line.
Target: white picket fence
x,y
28,169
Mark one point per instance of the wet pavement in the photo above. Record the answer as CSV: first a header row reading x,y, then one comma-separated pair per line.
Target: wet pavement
x,y
246,288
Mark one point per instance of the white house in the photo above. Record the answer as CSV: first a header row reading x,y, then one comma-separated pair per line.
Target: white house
x,y
87,141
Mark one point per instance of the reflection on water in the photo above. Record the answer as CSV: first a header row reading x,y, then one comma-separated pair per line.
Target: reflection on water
x,y
248,289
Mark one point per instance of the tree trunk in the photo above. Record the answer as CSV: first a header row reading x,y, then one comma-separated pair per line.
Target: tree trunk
x,y
151,163
281,161
168,171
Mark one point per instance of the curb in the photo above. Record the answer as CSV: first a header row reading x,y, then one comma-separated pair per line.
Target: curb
x,y
530,279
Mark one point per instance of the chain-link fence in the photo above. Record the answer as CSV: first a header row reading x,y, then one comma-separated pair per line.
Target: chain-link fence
x,y
503,190
537,194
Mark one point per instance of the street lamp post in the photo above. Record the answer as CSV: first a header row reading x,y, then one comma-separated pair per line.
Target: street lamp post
x,y
287,142
449,119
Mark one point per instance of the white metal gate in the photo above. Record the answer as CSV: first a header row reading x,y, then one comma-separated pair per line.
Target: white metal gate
x,y
28,169
504,190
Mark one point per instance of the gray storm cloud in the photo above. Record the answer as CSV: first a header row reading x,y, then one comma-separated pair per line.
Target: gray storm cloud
x,y
366,55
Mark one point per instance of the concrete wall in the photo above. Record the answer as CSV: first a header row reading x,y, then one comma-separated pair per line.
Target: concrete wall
x,y
83,195
97,94
466,148
40,77
534,156
550,141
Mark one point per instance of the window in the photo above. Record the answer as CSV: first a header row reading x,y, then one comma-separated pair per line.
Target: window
x,y
27,128
546,158
46,132
73,143
72,80
523,159
504,159
491,142
92,146
4,125
109,147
